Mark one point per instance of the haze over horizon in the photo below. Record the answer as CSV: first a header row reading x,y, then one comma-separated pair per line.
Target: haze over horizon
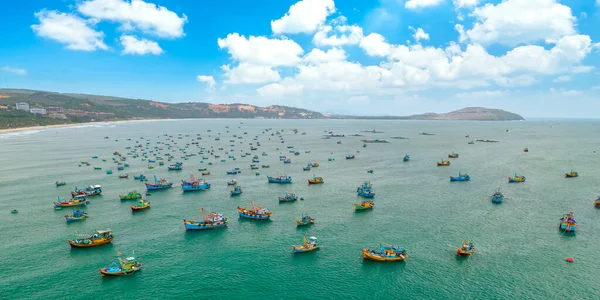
x,y
536,58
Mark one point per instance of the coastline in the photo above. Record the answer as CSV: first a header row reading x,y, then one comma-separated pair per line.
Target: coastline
x,y
19,129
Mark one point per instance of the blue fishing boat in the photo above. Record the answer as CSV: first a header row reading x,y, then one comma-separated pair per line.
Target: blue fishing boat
x,y
406,157
194,184
498,197
159,184
237,190
365,190
254,213
140,177
281,157
211,221
76,216
280,179
307,168
568,223
176,166
233,172
349,156
516,178
288,198
91,190
460,177
287,161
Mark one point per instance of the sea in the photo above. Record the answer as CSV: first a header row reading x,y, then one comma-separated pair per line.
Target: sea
x,y
520,252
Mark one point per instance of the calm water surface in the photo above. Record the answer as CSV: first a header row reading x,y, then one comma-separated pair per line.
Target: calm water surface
x,y
520,254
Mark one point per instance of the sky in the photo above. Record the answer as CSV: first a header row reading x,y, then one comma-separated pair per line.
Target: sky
x,y
538,58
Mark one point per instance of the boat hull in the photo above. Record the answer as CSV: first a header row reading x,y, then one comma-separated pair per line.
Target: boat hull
x,y
152,187
94,243
367,255
191,225
138,208
461,252
254,217
459,178
302,249
73,219
194,188
567,228
107,271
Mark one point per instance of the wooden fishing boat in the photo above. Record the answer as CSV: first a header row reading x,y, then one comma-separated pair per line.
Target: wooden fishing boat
x,y
305,220
265,166
194,184
211,221
124,176
232,182
364,205
526,150
143,204
14,211
288,198
406,158
498,197
453,155
571,174
467,248
133,195
60,183
366,190
443,163
307,168
309,244
123,266
159,184
350,156
78,200
280,179
597,202
568,223
205,172
314,164
254,213
101,237
140,177
316,180
385,254
76,216
175,167
516,179
92,190
460,177
237,190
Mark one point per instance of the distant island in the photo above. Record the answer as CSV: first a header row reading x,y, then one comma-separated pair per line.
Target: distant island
x,y
26,108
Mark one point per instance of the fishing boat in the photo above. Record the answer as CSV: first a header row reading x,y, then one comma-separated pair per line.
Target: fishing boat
x,y
237,190
253,167
460,177
288,198
101,237
14,211
254,213
287,161
309,244
467,248
205,172
280,179
365,190
307,168
305,220
143,204
123,176
233,172
60,183
315,164
211,221
516,178
406,158
443,163
316,180
568,223
121,267
91,190
265,166
571,174
385,253
526,150
193,184
232,182
370,171
453,155
497,197
159,184
77,200
349,156
140,177
597,203
364,205
175,167
76,216
471,142
133,195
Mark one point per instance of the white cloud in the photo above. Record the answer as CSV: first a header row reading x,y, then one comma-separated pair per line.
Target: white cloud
x,y
415,4
260,50
279,90
563,78
17,71
465,3
419,34
317,56
209,80
348,35
133,45
513,22
374,44
136,14
305,16
248,73
68,29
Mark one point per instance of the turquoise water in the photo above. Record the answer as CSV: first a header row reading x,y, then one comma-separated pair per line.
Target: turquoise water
x,y
520,251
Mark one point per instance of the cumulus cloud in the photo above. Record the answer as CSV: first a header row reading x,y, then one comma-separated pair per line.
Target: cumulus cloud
x,y
17,71
73,31
304,16
261,50
415,4
209,80
134,45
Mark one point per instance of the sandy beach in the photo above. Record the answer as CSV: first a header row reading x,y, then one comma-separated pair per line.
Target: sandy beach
x,y
10,130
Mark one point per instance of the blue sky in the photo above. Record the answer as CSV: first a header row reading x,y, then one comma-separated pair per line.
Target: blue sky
x,y
539,58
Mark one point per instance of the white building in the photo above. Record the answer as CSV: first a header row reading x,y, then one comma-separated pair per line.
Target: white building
x,y
22,106
41,111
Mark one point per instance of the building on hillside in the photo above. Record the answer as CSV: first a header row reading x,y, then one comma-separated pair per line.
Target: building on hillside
x,y
3,107
54,109
38,111
22,106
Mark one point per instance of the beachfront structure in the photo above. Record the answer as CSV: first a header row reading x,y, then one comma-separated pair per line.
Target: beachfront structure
x,y
22,106
41,111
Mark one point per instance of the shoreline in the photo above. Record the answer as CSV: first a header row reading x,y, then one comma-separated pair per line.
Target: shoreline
x,y
19,129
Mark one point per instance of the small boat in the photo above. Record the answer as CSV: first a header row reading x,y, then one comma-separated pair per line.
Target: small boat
x,y
316,180
287,161
159,184
123,266
175,167
443,163
91,190
406,158
232,182
385,253
497,197
288,198
597,203
526,150
307,168
370,171
467,248
315,164
306,220
453,155
254,213
101,237
280,179
77,200
133,195
205,172
265,166
60,183
237,190
124,176
366,190
14,211
364,205
233,172
460,177
253,167
76,216
143,204
194,184
211,221
571,174
471,142
349,156
568,223
140,177
309,244
516,178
